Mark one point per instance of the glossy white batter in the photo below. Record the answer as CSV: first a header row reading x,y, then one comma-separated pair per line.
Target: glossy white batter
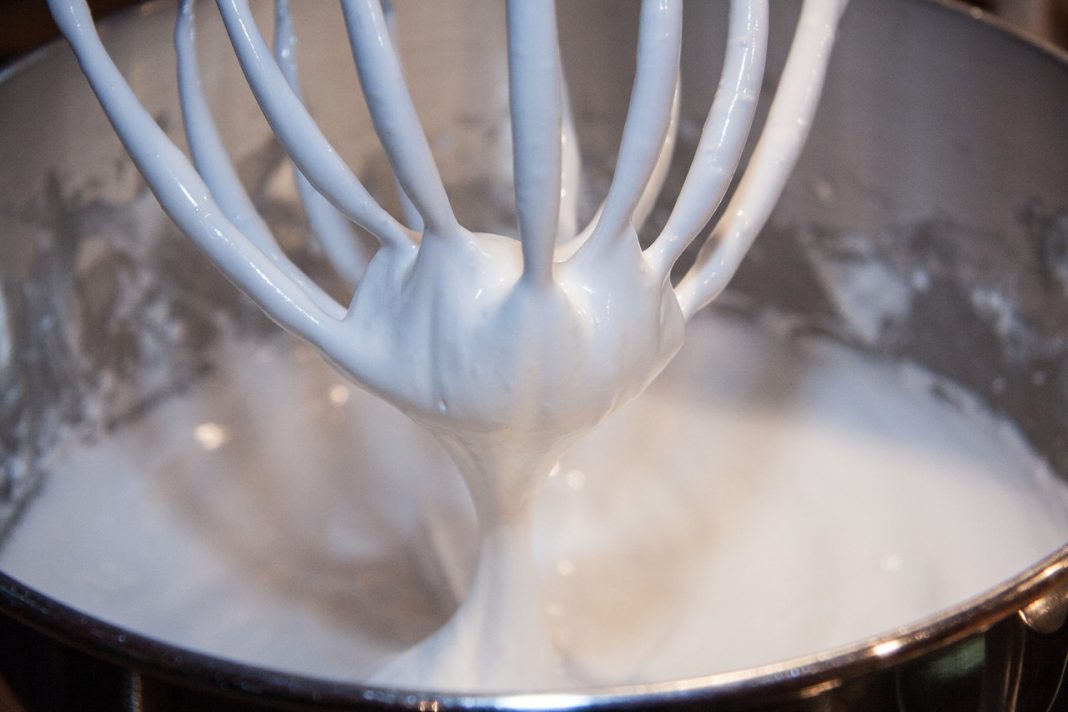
x,y
762,500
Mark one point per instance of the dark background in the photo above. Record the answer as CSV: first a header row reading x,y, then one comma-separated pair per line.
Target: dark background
x,y
26,24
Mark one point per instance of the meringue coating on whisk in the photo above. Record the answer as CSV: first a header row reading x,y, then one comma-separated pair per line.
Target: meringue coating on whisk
x,y
507,350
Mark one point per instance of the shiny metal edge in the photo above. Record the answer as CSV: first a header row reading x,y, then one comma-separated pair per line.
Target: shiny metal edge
x,y
787,679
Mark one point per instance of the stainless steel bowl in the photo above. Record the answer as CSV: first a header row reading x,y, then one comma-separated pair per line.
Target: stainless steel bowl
x,y
939,150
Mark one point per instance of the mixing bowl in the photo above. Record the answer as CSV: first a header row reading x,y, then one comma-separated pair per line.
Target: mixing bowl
x,y
939,155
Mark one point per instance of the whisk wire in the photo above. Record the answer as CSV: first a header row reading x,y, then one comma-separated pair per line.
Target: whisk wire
x,y
180,189
570,166
214,166
648,116
342,245
723,136
298,132
649,196
411,216
535,96
394,116
776,152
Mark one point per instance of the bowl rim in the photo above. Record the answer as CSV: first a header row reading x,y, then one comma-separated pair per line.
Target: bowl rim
x,y
787,679
791,678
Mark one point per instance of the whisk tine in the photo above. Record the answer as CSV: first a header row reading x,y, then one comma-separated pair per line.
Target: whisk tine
x,y
180,189
660,168
535,95
214,166
648,116
332,230
647,200
723,137
299,134
209,156
411,216
394,116
570,167
773,159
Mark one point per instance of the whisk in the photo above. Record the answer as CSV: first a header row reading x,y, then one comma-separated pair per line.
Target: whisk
x,y
506,349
